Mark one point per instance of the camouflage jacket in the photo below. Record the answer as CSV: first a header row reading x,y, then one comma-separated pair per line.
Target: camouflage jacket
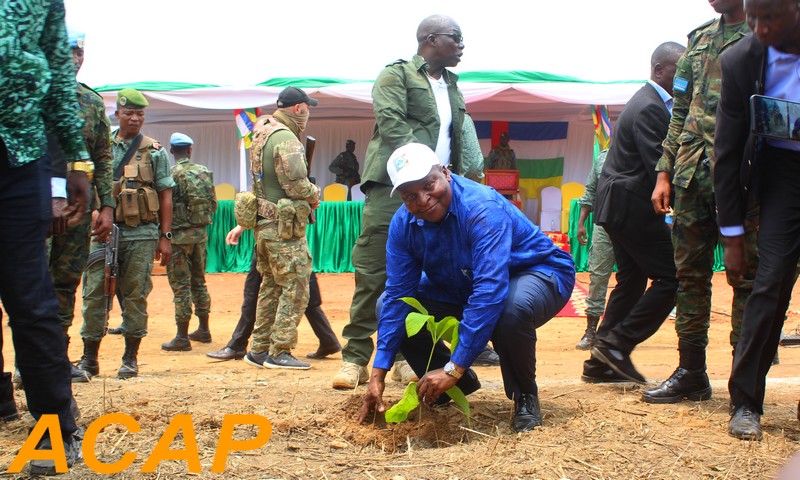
x,y
37,82
194,200
589,194
696,90
96,130
278,164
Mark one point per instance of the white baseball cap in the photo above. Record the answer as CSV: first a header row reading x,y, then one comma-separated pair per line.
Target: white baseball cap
x,y
410,163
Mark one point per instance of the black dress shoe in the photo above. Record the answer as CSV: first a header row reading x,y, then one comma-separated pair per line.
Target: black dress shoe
x,y
527,414
227,353
488,357
323,352
745,424
619,361
691,385
598,372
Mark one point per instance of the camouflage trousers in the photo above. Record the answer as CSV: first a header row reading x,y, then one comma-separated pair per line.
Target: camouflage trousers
x,y
285,266
601,265
186,272
695,235
134,284
68,254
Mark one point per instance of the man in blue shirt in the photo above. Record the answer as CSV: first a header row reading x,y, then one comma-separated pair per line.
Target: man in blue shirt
x,y
462,249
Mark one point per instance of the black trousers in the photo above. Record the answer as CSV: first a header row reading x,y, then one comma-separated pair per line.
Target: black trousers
x,y
643,249
778,251
316,317
533,299
27,291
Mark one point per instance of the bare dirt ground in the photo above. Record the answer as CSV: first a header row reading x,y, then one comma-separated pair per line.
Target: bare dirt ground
x,y
590,431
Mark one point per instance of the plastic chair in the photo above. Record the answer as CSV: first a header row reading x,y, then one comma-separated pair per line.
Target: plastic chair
x,y
356,194
506,182
569,191
335,192
550,216
225,191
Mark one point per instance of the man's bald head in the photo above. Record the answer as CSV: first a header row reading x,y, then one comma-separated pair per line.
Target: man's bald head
x,y
433,24
663,64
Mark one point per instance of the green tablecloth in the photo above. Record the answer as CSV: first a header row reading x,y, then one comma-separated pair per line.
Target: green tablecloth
x,y
330,239
580,253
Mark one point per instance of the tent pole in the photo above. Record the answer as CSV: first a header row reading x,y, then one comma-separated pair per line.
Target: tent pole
x,y
242,167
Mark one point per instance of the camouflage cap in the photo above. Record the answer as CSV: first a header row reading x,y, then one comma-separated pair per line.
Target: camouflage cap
x,y
76,38
131,98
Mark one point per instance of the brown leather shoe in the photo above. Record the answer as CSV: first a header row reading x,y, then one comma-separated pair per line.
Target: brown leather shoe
x,y
227,353
323,352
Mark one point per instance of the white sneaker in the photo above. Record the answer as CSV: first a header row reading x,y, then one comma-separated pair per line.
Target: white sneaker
x,y
350,376
403,373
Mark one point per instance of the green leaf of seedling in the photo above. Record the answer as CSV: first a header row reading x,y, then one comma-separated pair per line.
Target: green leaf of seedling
x,y
444,326
414,323
460,399
454,339
415,303
400,410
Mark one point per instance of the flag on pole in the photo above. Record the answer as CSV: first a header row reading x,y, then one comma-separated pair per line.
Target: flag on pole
x,y
245,120
602,128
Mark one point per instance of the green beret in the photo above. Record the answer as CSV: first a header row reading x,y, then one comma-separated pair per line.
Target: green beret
x,y
131,98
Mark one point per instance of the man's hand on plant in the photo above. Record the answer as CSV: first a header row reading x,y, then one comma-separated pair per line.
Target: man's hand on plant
x,y
374,395
433,384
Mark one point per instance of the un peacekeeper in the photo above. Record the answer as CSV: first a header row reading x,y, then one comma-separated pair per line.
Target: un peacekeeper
x,y
285,199
143,188
687,162
69,246
193,202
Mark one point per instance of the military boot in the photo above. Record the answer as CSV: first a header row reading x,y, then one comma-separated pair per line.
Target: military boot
x,y
130,367
688,381
180,343
88,365
591,331
202,334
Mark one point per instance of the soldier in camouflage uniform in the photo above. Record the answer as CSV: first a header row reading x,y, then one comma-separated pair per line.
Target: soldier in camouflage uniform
x,y
285,199
68,252
143,190
601,260
502,157
193,202
687,162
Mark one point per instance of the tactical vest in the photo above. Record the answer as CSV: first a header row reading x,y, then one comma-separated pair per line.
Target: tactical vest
x,y
191,200
266,209
137,198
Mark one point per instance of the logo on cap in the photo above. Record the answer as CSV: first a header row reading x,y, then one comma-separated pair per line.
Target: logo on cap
x,y
400,162
123,101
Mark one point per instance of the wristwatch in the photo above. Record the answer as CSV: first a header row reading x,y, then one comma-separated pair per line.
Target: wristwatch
x,y
82,166
450,369
167,235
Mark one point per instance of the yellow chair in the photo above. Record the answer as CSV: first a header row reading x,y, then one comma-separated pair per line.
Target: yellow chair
x,y
335,192
568,192
225,191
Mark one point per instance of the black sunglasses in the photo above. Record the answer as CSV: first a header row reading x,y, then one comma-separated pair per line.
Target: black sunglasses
x,y
455,36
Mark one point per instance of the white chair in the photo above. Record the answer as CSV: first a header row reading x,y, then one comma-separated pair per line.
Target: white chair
x,y
550,216
356,194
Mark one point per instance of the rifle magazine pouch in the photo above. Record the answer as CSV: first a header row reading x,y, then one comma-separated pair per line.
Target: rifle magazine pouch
x,y
115,192
145,173
129,206
245,210
131,172
302,211
148,204
286,214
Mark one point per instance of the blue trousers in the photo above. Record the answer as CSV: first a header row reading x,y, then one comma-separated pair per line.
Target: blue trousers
x,y
532,301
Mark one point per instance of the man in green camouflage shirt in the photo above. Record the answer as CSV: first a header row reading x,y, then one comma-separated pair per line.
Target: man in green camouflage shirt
x,y
687,162
285,199
193,202
69,251
144,217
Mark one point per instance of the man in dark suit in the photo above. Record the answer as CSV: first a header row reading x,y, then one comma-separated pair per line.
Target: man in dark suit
x,y
751,169
639,236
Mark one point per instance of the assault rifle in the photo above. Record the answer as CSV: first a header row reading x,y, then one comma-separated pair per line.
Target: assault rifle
x,y
311,144
110,257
